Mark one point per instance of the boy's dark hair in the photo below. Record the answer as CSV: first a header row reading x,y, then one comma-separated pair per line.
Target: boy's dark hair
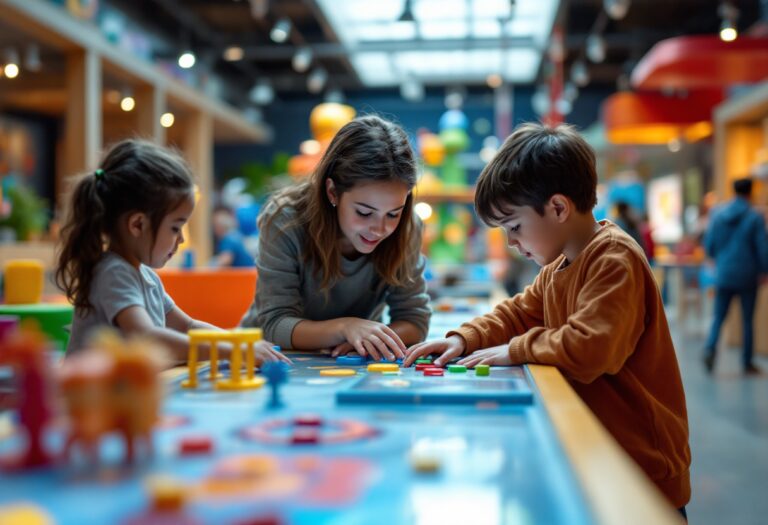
x,y
534,163
743,187
134,176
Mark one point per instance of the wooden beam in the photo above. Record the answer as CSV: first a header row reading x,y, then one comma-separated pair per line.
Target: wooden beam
x,y
83,120
150,105
198,149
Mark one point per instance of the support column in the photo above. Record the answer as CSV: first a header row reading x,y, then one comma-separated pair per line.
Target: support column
x,y
83,133
150,105
198,149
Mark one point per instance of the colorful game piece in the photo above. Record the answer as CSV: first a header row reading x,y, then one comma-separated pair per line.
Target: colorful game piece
x,y
305,436
308,420
399,361
482,370
194,445
25,352
383,367
350,360
338,372
276,373
166,494
8,324
391,373
425,464
433,372
457,369
421,366
424,360
24,514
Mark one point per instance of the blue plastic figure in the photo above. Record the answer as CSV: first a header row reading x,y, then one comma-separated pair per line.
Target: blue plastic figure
x,y
276,373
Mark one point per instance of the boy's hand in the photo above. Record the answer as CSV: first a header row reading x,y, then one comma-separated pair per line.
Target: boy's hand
x,y
450,348
495,355
265,353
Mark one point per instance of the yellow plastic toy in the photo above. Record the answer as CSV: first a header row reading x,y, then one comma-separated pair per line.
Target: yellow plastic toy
x,y
242,341
23,281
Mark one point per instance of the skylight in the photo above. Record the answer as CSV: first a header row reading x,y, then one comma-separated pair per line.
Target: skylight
x,y
454,41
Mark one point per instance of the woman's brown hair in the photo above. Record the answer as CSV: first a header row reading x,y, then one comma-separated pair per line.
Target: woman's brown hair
x,y
368,149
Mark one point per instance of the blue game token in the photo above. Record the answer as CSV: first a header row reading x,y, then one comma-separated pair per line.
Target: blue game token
x,y
350,360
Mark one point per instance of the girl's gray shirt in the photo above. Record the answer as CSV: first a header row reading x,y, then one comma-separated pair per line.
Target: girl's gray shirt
x,y
288,290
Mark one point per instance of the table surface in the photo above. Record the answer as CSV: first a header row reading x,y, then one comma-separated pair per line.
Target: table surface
x,y
498,462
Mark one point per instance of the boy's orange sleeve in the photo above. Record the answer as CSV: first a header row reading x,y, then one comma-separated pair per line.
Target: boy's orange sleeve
x,y
511,317
604,328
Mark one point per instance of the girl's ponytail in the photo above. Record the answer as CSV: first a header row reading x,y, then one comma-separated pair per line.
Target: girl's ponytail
x,y
82,241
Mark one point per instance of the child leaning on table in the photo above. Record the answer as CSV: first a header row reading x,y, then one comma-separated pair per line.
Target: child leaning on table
x,y
594,311
124,221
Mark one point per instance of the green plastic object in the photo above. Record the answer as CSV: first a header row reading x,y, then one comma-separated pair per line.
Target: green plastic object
x,y
424,361
54,320
457,369
482,370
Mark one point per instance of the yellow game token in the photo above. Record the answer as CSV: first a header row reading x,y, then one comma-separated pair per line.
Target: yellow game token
x,y
24,514
339,372
383,367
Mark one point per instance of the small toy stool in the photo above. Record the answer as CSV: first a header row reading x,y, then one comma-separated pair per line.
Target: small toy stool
x,y
23,281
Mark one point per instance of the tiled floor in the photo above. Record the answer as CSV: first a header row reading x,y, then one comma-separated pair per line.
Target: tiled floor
x,y
728,416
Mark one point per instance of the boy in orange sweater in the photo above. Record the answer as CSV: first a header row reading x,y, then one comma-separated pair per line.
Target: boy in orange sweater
x,y
594,311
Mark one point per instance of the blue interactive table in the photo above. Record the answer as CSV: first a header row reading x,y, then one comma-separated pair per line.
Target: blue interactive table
x,y
360,449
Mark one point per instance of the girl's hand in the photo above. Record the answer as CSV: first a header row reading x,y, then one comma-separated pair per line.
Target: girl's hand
x,y
495,355
371,338
265,353
450,348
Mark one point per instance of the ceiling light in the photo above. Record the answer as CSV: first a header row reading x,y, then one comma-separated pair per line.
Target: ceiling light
x,y
616,9
233,53
494,80
302,59
280,31
412,90
407,14
729,13
595,48
11,70
128,103
32,58
167,120
11,63
579,73
262,93
187,59
316,80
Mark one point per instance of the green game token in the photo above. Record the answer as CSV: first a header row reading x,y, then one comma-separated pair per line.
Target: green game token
x,y
457,369
482,370
424,361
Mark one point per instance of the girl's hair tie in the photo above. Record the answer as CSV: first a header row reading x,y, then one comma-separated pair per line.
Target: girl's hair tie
x,y
99,174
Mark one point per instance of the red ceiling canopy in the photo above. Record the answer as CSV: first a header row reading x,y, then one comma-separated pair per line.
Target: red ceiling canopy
x,y
695,62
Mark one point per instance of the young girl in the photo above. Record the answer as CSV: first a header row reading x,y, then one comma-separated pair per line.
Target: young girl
x,y
335,250
125,219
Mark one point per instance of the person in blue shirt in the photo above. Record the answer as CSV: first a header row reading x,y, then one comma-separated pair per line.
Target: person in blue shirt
x,y
736,240
230,248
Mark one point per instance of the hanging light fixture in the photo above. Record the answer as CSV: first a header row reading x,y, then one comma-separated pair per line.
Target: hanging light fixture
x,y
281,30
729,13
316,80
11,62
32,58
595,48
302,59
616,9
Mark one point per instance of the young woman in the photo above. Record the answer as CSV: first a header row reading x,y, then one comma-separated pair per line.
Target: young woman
x,y
337,249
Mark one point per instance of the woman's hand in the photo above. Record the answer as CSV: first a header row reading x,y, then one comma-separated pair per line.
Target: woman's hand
x,y
369,338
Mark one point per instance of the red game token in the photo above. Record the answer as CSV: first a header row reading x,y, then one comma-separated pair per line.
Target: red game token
x,y
433,371
192,445
305,436
308,420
